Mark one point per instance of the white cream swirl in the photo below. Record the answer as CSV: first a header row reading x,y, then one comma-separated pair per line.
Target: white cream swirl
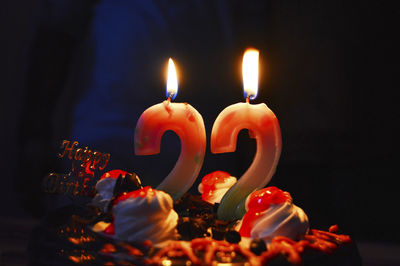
x,y
105,190
219,191
151,217
285,219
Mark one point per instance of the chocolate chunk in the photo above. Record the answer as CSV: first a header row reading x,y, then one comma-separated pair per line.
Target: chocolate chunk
x,y
194,204
257,246
127,183
190,228
232,236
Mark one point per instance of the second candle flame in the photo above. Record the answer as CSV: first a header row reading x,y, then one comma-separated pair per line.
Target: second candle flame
x,y
250,73
172,80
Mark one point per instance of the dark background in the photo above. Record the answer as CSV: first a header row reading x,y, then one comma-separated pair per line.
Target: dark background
x,y
329,70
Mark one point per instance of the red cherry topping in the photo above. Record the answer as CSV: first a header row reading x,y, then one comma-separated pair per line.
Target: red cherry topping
x,y
260,201
209,181
143,192
113,174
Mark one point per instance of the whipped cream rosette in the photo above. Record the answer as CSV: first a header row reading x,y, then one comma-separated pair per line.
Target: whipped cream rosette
x,y
145,214
270,213
105,188
214,185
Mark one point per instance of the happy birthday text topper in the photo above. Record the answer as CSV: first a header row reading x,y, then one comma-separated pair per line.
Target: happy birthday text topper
x,y
94,159
66,184
80,181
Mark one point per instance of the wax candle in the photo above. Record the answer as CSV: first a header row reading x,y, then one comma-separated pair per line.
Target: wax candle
x,y
262,125
187,123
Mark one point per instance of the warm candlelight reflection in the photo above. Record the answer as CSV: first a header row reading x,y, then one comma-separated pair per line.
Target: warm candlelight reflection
x,y
250,73
172,80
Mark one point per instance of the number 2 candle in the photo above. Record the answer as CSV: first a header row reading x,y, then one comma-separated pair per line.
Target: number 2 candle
x,y
187,123
262,125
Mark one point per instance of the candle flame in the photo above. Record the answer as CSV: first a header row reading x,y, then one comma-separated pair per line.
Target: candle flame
x,y
250,73
172,80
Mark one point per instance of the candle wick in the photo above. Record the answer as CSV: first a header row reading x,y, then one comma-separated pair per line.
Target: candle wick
x,y
169,99
247,99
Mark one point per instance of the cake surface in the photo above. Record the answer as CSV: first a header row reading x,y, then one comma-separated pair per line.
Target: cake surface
x,y
65,237
128,224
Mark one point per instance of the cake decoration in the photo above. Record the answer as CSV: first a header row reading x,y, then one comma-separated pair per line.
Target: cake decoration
x,y
271,213
93,159
113,183
187,123
80,181
264,128
145,214
214,186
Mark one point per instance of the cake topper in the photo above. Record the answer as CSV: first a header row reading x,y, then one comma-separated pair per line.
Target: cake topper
x,y
187,123
80,180
92,159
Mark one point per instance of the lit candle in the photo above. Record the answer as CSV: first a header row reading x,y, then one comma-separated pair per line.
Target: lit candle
x,y
262,125
187,123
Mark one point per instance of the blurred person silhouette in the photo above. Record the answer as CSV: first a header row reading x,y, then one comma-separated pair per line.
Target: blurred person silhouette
x,y
96,69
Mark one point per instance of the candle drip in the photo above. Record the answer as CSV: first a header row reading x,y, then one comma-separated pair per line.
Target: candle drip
x,y
167,106
189,113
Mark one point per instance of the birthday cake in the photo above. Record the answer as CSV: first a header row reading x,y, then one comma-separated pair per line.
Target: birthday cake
x,y
230,222
127,224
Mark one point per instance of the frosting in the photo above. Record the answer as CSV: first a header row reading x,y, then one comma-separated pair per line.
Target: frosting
x,y
145,214
105,188
270,213
214,186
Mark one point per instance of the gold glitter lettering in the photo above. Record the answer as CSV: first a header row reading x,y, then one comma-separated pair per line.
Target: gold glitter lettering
x,y
106,158
70,149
